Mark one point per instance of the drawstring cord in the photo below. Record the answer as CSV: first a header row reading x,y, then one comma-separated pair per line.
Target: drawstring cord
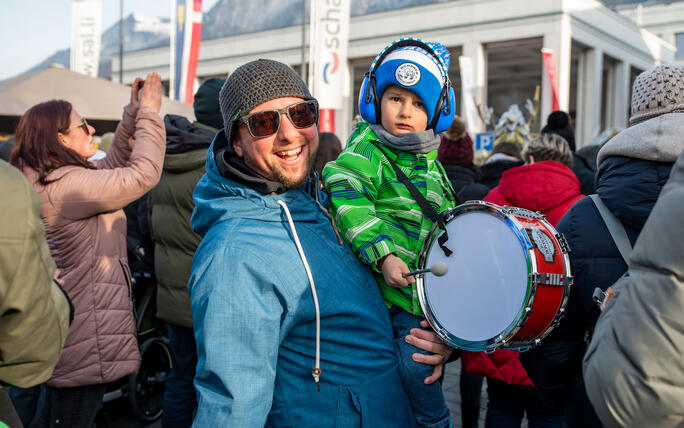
x,y
316,369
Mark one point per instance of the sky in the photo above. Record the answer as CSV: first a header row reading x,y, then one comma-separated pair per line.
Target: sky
x,y
32,30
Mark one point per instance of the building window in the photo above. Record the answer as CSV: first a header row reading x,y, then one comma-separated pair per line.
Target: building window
x,y
679,42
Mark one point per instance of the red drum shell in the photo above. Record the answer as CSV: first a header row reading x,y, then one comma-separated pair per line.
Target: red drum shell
x,y
546,290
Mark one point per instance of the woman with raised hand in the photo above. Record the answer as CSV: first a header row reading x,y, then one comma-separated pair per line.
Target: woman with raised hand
x,y
86,231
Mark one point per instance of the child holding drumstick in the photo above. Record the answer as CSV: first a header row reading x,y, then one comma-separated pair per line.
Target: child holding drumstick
x,y
406,100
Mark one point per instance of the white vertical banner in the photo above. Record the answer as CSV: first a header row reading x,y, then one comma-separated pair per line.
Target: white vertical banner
x,y
468,92
328,41
86,33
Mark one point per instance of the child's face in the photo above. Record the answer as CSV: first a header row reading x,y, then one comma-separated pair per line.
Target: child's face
x,y
402,111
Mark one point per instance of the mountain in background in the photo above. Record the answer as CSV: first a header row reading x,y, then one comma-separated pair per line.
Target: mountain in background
x,y
140,32
231,17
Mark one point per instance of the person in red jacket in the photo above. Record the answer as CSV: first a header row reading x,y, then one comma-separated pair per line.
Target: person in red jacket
x,y
547,184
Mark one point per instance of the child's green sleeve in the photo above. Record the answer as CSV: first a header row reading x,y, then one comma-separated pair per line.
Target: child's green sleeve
x,y
351,181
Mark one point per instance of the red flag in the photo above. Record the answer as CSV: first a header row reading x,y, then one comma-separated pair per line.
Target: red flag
x,y
547,54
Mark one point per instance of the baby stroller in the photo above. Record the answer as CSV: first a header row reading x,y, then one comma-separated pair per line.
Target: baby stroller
x,y
142,392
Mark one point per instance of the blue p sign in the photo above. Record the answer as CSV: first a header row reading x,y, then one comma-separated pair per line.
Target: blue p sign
x,y
484,140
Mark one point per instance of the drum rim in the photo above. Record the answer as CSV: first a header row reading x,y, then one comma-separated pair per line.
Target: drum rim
x,y
491,344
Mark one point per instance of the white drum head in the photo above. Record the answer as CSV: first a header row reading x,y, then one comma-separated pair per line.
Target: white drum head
x,y
485,289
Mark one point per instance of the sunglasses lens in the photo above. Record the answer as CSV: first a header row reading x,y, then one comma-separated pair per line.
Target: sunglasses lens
x,y
264,123
303,114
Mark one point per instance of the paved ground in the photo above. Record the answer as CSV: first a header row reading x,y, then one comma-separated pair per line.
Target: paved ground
x,y
452,394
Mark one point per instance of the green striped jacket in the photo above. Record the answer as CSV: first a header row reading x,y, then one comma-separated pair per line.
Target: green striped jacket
x,y
376,213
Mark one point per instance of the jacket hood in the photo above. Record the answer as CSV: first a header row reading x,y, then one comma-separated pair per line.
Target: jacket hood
x,y
182,162
659,139
540,186
630,187
183,136
219,198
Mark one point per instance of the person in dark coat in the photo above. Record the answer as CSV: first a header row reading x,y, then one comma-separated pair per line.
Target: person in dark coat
x,y
456,155
558,123
505,156
329,148
545,184
171,206
632,169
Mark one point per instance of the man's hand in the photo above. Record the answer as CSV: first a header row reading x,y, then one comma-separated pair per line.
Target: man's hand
x,y
151,93
392,268
428,340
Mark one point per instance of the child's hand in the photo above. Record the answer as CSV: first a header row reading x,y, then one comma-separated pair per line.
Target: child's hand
x,y
392,267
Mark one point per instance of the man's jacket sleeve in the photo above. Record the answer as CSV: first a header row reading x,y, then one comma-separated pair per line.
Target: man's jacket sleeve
x,y
34,311
351,182
236,313
633,368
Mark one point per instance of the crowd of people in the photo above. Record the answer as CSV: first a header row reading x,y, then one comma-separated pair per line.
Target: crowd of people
x,y
286,262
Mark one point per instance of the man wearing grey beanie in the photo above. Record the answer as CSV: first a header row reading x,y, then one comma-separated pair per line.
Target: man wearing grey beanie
x,y
290,327
633,167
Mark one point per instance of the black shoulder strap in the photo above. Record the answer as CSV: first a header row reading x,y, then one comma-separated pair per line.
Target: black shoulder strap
x,y
615,227
428,210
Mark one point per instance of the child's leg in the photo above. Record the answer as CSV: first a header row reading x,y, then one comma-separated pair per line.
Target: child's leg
x,y
427,401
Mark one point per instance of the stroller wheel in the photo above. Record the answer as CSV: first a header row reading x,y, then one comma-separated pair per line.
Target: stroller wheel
x,y
146,388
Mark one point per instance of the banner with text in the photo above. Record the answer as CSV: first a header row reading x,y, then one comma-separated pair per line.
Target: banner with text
x,y
86,33
329,39
185,44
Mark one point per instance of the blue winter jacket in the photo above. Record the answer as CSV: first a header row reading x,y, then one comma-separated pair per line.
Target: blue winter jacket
x,y
629,187
254,317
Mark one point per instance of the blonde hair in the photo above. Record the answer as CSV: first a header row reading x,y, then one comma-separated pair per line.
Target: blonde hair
x,y
548,147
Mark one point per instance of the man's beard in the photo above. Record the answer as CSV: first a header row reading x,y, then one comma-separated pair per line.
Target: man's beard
x,y
291,183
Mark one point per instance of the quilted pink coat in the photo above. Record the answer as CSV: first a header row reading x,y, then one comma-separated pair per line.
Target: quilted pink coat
x,y
86,232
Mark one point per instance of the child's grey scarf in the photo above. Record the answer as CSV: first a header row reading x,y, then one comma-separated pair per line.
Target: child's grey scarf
x,y
413,142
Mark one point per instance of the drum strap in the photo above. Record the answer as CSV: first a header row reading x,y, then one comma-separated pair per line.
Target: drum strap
x,y
428,210
615,227
623,244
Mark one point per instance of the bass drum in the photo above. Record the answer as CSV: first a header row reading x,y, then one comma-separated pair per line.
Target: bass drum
x,y
508,278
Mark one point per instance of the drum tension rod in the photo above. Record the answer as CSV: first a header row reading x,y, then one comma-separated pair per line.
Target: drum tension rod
x,y
552,279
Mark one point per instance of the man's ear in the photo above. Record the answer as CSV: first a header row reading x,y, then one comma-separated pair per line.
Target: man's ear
x,y
237,146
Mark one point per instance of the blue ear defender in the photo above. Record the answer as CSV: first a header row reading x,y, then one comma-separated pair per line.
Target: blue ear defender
x,y
369,102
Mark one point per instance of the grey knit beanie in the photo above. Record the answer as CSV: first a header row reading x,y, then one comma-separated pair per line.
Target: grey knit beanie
x,y
657,91
254,83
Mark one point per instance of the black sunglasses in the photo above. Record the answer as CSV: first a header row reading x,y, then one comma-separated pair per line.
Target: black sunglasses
x,y
83,124
265,123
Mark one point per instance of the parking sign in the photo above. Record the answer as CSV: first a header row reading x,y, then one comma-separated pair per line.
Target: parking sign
x,y
484,140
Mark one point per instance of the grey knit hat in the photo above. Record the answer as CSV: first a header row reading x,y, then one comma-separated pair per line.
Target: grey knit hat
x,y
254,83
657,91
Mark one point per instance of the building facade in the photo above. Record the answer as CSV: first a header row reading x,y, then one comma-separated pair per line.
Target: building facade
x,y
597,53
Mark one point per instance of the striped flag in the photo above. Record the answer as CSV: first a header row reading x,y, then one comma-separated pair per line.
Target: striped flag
x,y
185,44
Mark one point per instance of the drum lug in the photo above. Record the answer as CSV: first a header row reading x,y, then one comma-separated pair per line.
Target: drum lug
x,y
552,279
563,243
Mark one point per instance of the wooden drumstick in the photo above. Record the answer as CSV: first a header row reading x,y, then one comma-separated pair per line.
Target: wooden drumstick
x,y
437,269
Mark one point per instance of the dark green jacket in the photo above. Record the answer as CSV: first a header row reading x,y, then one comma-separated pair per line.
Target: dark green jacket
x,y
171,206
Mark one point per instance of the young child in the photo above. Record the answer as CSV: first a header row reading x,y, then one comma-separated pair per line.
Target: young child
x,y
405,100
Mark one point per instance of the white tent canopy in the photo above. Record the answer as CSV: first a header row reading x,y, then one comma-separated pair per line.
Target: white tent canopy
x,y
93,98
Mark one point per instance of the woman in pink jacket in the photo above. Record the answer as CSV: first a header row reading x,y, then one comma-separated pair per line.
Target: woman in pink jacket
x,y
86,232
